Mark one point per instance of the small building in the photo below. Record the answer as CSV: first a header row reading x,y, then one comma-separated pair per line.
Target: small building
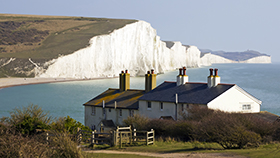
x,y
168,100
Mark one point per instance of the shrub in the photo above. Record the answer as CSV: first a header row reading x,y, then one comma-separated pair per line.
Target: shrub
x,y
28,119
137,121
68,124
13,144
227,130
162,128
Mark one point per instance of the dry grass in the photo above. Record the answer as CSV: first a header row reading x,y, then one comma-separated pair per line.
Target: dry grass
x,y
66,34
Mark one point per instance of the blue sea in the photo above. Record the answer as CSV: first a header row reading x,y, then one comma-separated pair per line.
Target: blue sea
x,y
67,98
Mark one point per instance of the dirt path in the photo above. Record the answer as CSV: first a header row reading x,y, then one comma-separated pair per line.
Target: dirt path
x,y
173,155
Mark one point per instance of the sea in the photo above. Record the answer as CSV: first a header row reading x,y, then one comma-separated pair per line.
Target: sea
x,y
67,98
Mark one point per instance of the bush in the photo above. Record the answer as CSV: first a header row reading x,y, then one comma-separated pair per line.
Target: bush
x,y
162,128
28,119
68,124
13,144
227,130
137,121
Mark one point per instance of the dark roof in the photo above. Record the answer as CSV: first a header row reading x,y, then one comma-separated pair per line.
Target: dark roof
x,y
125,99
108,123
192,93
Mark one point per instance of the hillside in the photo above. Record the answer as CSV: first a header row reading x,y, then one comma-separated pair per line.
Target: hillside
x,y
43,38
235,56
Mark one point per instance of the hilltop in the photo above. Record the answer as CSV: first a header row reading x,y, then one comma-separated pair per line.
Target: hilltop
x,y
43,38
235,56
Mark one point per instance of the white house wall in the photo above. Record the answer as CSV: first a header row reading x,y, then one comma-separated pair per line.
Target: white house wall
x,y
95,119
232,101
155,111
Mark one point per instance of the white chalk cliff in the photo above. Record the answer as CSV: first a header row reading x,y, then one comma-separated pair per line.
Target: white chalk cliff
x,y
135,47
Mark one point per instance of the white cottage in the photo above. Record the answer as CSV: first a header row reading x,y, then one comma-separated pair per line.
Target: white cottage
x,y
167,100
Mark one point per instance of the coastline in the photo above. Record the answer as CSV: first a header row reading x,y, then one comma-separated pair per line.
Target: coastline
x,y
12,82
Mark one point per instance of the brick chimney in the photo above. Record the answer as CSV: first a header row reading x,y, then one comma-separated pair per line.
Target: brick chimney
x,y
124,81
150,81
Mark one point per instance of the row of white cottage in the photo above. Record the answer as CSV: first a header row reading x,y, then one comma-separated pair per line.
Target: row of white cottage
x,y
167,100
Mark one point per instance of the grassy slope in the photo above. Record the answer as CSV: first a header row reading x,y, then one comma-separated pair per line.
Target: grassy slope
x,y
66,34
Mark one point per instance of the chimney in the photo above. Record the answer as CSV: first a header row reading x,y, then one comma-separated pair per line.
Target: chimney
x,y
182,78
217,79
150,81
213,80
210,79
185,77
124,81
179,77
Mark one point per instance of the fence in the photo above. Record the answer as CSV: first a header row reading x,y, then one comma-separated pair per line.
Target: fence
x,y
122,135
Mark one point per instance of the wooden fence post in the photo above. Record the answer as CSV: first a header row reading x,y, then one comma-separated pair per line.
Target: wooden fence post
x,y
47,137
147,138
92,138
153,136
134,135
120,139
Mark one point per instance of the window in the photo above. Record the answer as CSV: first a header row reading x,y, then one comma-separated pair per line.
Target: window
x,y
92,110
161,106
131,113
187,106
109,109
149,105
246,107
120,112
182,107
104,112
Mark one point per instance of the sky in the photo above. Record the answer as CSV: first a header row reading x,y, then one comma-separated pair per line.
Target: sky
x,y
228,25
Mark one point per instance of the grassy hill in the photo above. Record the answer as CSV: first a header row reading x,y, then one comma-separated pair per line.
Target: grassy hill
x,y
236,56
43,38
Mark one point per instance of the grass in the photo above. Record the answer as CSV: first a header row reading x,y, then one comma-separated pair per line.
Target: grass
x,y
264,151
102,155
66,34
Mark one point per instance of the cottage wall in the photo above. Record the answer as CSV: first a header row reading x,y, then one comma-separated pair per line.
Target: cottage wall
x,y
155,111
234,100
92,119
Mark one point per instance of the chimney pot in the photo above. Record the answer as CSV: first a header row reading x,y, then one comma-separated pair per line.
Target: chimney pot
x,y
126,71
180,71
122,72
211,72
148,72
216,72
184,71
152,71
